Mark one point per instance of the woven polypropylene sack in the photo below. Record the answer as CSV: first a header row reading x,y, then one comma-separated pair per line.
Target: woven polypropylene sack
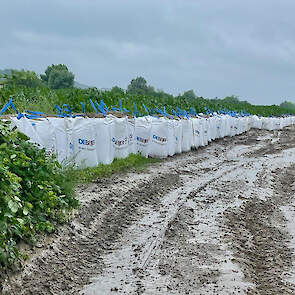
x,y
159,138
119,134
104,148
187,135
84,142
143,129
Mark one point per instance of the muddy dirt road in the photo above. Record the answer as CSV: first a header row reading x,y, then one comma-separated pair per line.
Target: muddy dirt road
x,y
219,220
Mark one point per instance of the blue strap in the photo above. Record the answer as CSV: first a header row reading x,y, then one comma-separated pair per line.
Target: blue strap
x,y
67,110
6,106
100,108
147,111
34,113
175,114
9,104
120,105
186,114
104,105
19,116
31,116
83,107
125,110
93,106
58,109
135,109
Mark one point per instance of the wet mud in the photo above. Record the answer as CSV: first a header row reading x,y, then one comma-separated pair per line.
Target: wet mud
x,y
218,220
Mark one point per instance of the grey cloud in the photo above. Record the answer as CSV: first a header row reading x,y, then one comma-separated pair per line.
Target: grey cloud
x,y
218,48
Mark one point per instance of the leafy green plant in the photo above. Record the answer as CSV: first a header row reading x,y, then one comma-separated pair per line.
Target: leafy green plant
x,y
34,193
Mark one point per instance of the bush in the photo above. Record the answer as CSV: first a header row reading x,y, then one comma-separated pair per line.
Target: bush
x,y
35,194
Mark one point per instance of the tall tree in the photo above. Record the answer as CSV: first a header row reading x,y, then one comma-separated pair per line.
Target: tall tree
x,y
58,76
190,94
138,86
287,105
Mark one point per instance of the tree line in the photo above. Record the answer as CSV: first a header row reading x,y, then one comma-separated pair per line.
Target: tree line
x,y
59,77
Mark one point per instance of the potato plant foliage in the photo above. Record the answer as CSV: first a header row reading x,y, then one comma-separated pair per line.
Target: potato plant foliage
x,y
35,193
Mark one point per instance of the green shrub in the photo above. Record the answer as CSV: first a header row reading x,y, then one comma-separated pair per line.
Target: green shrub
x,y
35,193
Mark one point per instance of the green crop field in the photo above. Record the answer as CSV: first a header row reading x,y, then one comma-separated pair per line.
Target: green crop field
x,y
43,99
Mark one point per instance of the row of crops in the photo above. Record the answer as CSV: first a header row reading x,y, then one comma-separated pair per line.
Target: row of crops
x,y
43,99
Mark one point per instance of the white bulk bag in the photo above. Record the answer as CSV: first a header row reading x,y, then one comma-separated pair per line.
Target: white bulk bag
x,y
277,123
159,139
131,136
206,131
143,128
171,137
219,126
224,126
83,139
257,122
234,126
45,133
119,134
40,132
228,126
62,141
178,136
269,124
241,125
187,135
104,148
203,132
283,123
197,132
213,127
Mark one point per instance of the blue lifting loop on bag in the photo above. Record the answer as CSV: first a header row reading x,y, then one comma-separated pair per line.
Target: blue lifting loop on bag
x,y
120,105
101,108
145,108
58,110
104,106
33,115
67,110
135,110
83,107
6,106
93,106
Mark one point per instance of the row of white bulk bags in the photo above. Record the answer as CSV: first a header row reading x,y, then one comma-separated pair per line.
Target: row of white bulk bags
x,y
90,141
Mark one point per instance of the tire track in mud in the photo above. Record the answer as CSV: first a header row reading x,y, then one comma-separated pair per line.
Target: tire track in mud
x,y
65,269
257,229
158,242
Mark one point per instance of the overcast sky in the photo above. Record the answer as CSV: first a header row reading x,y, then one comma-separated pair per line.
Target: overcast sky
x,y
216,47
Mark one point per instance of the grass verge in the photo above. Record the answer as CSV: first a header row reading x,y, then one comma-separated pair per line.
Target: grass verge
x,y
133,161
